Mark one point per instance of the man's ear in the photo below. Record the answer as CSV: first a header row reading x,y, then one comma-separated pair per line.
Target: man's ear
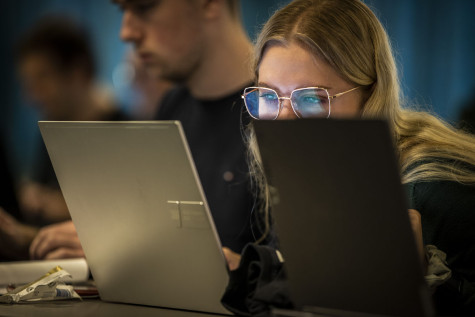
x,y
213,9
79,76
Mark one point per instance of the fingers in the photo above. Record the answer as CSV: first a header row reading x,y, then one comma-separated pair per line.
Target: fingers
x,y
54,207
64,253
6,220
415,218
30,197
416,224
65,227
53,238
232,258
15,237
38,240
52,241
15,231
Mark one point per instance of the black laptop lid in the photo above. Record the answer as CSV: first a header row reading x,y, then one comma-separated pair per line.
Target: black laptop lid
x,y
341,216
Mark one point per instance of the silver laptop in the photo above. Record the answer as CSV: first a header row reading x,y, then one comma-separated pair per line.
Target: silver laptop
x,y
142,218
341,218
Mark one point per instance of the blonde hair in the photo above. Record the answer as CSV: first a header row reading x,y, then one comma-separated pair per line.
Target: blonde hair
x,y
349,37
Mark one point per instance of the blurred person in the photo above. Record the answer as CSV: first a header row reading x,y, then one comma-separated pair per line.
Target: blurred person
x,y
148,89
8,198
15,237
202,47
10,226
57,69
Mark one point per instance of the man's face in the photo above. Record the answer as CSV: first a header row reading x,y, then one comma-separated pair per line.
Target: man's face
x,y
166,34
46,86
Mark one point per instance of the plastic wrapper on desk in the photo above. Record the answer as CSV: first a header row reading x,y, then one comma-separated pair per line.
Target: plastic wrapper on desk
x,y
50,286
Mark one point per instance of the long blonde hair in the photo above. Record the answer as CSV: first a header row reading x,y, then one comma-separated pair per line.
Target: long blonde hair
x,y
349,37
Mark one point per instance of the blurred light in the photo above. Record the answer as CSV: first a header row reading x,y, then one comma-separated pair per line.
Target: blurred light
x,y
123,75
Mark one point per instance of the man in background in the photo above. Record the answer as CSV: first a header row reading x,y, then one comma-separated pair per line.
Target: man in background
x,y
201,46
12,237
56,67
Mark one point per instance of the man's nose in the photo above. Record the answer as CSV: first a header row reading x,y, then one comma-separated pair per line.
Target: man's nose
x,y
129,30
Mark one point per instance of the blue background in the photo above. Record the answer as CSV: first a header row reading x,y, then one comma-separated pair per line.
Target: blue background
x,y
434,44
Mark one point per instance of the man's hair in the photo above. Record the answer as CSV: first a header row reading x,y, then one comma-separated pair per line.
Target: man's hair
x,y
60,40
234,6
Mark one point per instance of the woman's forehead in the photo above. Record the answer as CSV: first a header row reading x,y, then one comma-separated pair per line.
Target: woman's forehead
x,y
291,66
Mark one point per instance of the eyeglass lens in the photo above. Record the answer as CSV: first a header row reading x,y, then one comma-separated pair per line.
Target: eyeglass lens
x,y
263,103
310,102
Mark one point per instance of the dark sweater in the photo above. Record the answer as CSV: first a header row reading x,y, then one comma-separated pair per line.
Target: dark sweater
x,y
448,221
214,131
8,199
448,217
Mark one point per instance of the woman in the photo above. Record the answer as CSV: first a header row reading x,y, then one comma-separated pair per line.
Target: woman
x,y
341,47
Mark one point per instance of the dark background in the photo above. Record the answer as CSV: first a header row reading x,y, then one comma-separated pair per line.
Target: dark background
x,y
433,40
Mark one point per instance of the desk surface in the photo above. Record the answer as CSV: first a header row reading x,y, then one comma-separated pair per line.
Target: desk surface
x,y
91,307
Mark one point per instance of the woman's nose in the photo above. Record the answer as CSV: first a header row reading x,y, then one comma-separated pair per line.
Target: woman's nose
x,y
286,111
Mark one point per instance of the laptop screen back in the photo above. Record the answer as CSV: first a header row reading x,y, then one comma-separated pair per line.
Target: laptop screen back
x,y
136,201
341,216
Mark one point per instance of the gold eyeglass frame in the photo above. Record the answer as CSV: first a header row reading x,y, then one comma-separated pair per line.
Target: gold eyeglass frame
x,y
243,96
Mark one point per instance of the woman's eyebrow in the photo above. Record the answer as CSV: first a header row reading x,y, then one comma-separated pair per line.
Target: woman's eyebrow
x,y
265,85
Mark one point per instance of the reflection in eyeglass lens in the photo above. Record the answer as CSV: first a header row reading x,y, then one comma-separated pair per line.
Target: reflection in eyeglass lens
x,y
310,102
268,104
264,103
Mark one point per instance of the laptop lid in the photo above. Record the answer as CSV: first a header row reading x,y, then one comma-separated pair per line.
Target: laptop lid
x,y
341,217
141,215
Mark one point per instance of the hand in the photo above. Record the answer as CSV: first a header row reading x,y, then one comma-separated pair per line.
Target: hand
x,y
58,241
30,198
416,224
41,203
15,237
232,258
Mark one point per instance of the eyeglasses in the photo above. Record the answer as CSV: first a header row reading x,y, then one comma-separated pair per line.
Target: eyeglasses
x,y
264,103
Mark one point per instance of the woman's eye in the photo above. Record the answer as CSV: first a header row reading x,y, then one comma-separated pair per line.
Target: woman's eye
x,y
311,99
268,97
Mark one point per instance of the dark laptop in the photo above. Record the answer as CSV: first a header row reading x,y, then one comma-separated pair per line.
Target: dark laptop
x,y
341,217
